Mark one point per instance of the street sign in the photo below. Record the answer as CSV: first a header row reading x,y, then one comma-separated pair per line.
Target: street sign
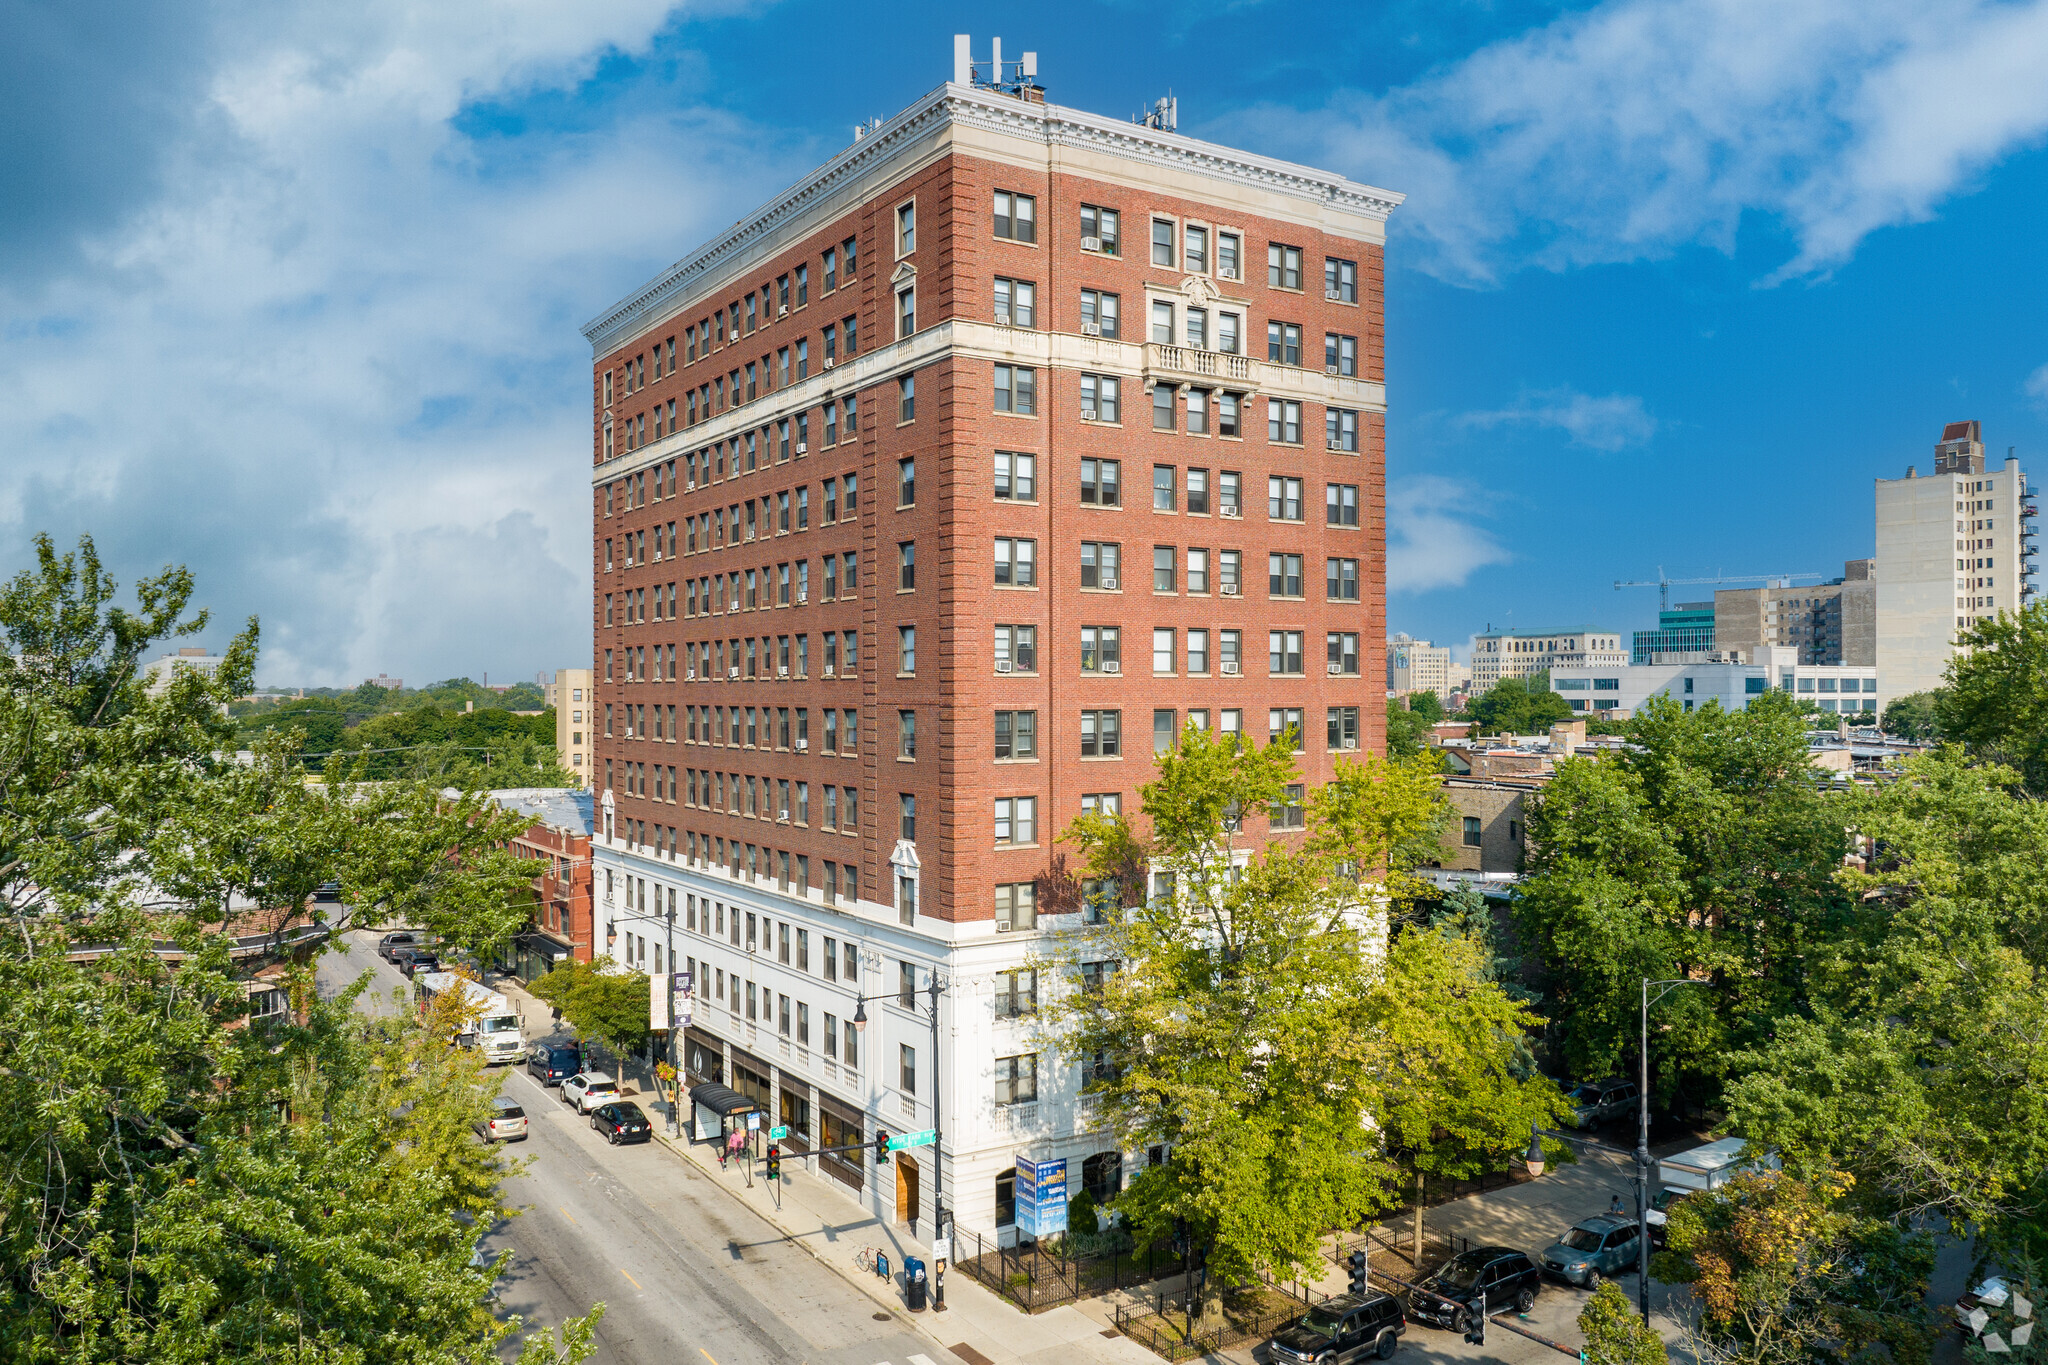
x,y
921,1139
753,1123
778,1132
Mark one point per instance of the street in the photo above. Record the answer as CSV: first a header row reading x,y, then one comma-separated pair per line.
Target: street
x,y
686,1273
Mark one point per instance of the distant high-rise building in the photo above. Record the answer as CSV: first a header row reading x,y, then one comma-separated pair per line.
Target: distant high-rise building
x,y
156,675
1418,666
390,684
575,728
1952,548
1687,628
1828,623
1518,653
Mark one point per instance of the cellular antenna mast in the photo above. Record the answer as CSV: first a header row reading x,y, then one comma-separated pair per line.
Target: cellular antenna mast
x,y
1164,114
1012,78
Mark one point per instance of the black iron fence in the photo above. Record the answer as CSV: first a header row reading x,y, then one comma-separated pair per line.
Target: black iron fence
x,y
1045,1275
1249,1316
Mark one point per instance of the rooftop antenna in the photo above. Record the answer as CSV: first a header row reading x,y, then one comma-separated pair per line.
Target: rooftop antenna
x,y
1012,78
1164,114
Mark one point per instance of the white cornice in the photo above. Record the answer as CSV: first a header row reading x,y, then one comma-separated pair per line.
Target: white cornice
x,y
812,200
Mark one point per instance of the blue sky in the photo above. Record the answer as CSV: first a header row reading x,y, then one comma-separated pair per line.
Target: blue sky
x,y
291,294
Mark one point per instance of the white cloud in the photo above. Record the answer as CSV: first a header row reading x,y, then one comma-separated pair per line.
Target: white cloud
x,y
1639,126
2036,387
1611,423
1429,544
335,365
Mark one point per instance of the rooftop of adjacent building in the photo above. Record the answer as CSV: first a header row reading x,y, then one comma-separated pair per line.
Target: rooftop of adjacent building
x,y
565,808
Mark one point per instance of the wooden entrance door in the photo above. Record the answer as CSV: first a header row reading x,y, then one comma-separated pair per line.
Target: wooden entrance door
x,y
906,1189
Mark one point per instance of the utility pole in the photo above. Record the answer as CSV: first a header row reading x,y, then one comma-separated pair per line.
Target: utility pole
x,y
1643,1163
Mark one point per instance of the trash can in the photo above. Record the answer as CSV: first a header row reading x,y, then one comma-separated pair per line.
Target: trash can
x,y
913,1284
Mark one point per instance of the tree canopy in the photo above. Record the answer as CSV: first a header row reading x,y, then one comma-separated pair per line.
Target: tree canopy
x,y
1518,706
1996,699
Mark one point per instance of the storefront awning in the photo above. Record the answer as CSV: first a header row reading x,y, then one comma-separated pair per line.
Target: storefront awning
x,y
722,1100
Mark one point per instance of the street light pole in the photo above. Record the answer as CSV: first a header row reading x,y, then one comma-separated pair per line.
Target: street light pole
x,y
932,988
1642,1154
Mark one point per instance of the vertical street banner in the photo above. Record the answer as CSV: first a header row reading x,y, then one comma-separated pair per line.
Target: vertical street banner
x,y
657,1004
1041,1197
680,991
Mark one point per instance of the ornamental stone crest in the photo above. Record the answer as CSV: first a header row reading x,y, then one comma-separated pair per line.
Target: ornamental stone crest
x,y
1199,292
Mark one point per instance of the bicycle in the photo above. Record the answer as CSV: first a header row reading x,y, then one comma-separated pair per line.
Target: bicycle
x,y
865,1259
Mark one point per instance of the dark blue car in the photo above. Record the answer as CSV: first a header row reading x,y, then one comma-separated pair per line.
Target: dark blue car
x,y
551,1063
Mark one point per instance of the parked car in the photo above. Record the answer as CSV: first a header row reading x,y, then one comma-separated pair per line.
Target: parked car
x,y
588,1089
551,1063
621,1121
413,961
1596,1102
1449,1295
1594,1247
1661,1204
1338,1331
507,1120
388,946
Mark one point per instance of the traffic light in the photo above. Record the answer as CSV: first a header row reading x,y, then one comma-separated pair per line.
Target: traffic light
x,y
774,1162
881,1146
1475,1322
1357,1272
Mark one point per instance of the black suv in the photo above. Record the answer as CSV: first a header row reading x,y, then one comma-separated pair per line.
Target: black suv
x,y
552,1063
1347,1328
1449,1295
388,946
413,961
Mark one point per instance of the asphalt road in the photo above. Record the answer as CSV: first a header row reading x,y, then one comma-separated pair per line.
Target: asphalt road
x,y
688,1275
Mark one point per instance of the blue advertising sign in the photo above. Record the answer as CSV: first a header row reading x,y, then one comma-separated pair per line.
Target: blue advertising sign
x,y
1041,1197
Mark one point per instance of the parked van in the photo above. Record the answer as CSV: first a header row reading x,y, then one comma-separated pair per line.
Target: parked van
x,y
507,1120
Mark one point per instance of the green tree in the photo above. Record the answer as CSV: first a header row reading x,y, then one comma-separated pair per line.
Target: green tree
x,y
1614,1334
179,1182
1407,731
1246,1026
1996,699
1519,706
601,999
1707,850
1913,716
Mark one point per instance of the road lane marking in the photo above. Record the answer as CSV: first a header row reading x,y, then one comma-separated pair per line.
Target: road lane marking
x,y
706,1354
566,1214
630,1280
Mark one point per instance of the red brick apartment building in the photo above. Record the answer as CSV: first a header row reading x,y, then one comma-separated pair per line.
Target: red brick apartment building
x,y
563,925
928,501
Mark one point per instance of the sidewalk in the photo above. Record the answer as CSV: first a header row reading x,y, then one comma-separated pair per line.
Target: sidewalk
x,y
978,1327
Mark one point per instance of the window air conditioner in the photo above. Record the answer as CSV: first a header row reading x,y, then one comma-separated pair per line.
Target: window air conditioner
x,y
1002,926
1336,670
1107,581
1329,369
1224,272
1087,414
1229,589
802,596
1091,244
1004,666
733,672
803,447
1233,512
1334,445
1230,670
1351,744
1112,666
1333,295
1091,329
803,746
829,670
693,675
783,311
1002,319
782,671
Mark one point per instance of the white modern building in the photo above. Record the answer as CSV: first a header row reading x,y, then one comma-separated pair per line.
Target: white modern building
x,y
1953,548
157,673
1836,688
1518,653
1419,666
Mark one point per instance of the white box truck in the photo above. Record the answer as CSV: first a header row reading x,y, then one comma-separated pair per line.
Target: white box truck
x,y
1702,1168
490,1024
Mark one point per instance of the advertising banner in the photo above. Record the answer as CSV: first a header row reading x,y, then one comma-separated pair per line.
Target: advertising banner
x,y
1041,1197
680,993
657,1004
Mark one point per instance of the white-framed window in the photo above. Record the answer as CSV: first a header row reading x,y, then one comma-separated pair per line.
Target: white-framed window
x,y
1016,820
906,228
1016,216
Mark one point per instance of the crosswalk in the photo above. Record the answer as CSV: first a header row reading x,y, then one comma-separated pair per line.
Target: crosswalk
x,y
914,1358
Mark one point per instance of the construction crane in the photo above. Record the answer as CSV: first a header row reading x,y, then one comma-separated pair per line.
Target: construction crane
x,y
1663,584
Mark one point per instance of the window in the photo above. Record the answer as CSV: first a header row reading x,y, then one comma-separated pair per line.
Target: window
x,y
1101,803
1229,256
1100,645
1162,650
1343,727
1195,249
1198,571
1162,568
1016,734
1341,581
1016,476
1340,354
1016,562
1285,721
1283,343
1229,336
1290,811
906,312
1099,230
1099,398
1016,906
1162,241
906,734
1283,421
906,649
1017,820
906,565
1017,646
1340,280
1014,302
1471,831
1099,561
1101,732
1017,1083
906,229
1340,429
1283,498
1229,417
1229,494
1162,487
1099,483
1283,651
1016,996
1099,310
1342,647
1162,407
1016,217
906,1059
1283,266
1340,504
1230,571
1198,414
906,400
906,818
1163,731
1016,389
906,483
1162,323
